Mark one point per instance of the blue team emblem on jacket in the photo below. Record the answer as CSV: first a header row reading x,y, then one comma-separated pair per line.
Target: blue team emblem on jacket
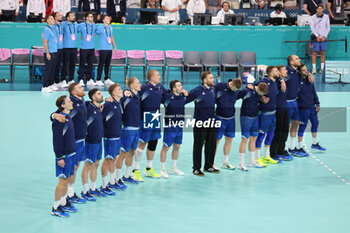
x,y
151,120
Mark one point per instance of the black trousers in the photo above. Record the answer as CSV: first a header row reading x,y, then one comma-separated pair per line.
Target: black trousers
x,y
8,16
69,61
281,133
104,61
50,68
60,55
34,18
206,137
86,57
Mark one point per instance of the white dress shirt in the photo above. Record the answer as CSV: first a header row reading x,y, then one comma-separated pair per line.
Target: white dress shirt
x,y
222,13
9,5
171,4
195,6
37,7
62,6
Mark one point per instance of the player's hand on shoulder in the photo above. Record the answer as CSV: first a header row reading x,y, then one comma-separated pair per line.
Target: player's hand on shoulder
x,y
127,93
185,92
109,99
311,78
265,99
250,86
61,118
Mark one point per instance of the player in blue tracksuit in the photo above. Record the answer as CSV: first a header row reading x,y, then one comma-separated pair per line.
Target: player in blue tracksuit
x,y
93,147
293,85
112,124
309,106
226,95
78,115
64,148
267,118
174,103
204,111
130,132
250,121
151,95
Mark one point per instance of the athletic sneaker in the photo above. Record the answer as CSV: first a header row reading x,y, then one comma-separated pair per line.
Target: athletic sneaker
x,y
114,186
295,152
254,164
269,160
88,196
90,83
63,84
198,173
164,174
81,83
228,165
242,167
97,193
70,82
53,87
108,82
46,90
278,158
136,175
151,173
317,146
176,171
211,170
56,85
321,71
287,156
59,212
76,199
99,83
216,166
314,71
303,152
261,162
122,185
107,191
69,207
130,180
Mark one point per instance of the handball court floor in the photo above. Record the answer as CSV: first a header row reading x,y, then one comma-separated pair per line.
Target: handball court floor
x,y
304,195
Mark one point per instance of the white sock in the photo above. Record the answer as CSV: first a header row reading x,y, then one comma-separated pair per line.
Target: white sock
x,y
314,140
258,151
252,154
93,186
162,166
225,160
104,182
313,66
70,191
292,143
173,163
322,66
267,152
127,172
112,178
85,188
56,204
118,173
63,200
241,158
138,157
149,164
300,144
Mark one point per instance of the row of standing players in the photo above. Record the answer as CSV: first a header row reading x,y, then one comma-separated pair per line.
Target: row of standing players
x,y
287,93
60,41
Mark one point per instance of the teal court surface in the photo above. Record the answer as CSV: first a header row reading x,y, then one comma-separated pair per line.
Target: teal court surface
x,y
306,195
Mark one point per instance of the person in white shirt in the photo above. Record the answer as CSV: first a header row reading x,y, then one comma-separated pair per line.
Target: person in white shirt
x,y
259,4
62,6
195,6
8,10
36,11
171,8
278,13
224,11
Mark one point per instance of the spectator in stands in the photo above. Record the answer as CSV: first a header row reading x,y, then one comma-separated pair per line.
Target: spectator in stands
x,y
116,9
36,11
320,27
311,5
62,6
225,10
95,8
278,13
336,9
9,10
195,6
259,4
155,4
171,8
213,6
